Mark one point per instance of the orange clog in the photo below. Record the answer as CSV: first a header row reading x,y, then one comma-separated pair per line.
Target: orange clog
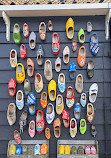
x,y
25,30
81,59
43,149
47,133
43,99
57,127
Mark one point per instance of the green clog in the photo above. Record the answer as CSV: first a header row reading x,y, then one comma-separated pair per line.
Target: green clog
x,y
73,150
80,150
16,34
81,36
83,126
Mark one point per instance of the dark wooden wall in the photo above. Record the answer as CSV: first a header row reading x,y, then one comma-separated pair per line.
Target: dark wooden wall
x,y
102,76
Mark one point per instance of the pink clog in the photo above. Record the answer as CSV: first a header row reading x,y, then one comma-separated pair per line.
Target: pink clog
x,y
32,128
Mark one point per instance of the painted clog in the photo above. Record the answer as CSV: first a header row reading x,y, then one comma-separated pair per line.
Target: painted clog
x,y
83,99
40,121
70,28
77,111
50,25
12,149
50,113
67,150
47,133
52,90
23,52
81,36
70,98
43,149
42,31
81,58
16,34
83,126
61,149
18,150
17,137
74,45
57,127
37,149
13,58
55,43
19,100
12,87
87,150
72,70
65,117
43,99
90,112
25,30
93,150
31,101
93,91
94,43
61,82
20,73
31,129
73,127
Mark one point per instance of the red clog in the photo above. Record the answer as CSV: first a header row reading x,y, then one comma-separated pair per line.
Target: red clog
x,y
23,52
12,87
93,150
17,137
55,43
74,45
40,121
65,117
87,150
25,30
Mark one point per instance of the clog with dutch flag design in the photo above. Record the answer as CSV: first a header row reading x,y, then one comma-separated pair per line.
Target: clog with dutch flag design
x,y
94,43
31,101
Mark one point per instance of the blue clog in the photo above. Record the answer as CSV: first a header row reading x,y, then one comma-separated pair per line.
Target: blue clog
x,y
94,44
31,101
37,149
61,82
77,111
50,115
72,70
18,150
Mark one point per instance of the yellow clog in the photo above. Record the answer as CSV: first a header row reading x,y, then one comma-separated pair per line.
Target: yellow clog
x,y
20,73
67,150
52,90
61,149
12,149
70,28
